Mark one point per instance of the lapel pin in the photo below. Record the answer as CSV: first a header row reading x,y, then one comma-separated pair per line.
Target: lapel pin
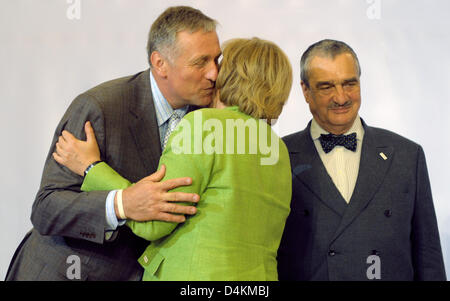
x,y
383,156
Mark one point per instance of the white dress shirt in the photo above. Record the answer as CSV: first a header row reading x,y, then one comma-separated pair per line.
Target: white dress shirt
x,y
341,164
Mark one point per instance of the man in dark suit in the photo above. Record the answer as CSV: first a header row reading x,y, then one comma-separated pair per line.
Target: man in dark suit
x,y
361,201
79,235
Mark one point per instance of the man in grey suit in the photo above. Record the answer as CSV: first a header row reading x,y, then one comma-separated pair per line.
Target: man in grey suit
x,y
361,201
79,235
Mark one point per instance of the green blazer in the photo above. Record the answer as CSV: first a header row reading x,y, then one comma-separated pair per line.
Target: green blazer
x,y
241,170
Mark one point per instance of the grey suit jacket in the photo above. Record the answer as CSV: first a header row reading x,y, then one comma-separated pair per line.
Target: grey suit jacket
x,y
390,215
67,221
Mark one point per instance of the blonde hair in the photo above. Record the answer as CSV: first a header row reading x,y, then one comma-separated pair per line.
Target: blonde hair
x,y
163,33
255,75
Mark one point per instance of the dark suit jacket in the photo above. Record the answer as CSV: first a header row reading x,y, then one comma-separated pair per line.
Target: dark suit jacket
x,y
70,222
390,215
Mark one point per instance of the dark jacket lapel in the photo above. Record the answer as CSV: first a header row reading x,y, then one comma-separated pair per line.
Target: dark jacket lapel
x,y
372,170
144,127
309,169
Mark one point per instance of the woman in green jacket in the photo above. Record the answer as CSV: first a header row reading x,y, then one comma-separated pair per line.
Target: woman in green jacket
x,y
239,166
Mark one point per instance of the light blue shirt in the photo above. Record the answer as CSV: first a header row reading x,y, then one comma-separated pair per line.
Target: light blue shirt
x,y
163,109
163,112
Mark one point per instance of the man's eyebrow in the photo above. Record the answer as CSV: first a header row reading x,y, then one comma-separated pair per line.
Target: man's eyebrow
x,y
324,83
350,80
200,59
332,83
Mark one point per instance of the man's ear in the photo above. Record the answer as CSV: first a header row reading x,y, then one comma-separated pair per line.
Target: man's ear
x,y
159,64
306,91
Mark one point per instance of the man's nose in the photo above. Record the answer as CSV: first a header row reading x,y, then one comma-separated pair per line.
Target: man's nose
x,y
212,72
339,96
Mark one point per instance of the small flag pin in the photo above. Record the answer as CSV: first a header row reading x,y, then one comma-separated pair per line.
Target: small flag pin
x,y
383,156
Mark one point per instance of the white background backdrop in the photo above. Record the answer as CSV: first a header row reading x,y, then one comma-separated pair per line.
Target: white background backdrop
x,y
47,58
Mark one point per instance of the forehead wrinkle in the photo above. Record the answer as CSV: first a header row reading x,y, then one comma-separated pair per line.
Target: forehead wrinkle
x,y
195,49
320,76
338,65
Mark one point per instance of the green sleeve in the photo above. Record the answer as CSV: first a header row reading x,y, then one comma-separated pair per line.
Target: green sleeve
x,y
180,162
103,177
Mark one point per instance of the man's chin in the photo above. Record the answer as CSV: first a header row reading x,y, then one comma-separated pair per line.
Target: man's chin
x,y
343,117
204,102
343,123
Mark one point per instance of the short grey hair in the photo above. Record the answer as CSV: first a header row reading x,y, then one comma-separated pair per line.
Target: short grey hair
x,y
325,48
163,33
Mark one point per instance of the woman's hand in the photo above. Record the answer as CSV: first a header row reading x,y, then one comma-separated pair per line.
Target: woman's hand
x,y
75,154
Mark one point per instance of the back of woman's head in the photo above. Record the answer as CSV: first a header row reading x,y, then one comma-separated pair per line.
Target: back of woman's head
x,y
256,76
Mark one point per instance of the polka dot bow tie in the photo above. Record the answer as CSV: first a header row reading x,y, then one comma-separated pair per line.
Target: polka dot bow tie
x,y
329,141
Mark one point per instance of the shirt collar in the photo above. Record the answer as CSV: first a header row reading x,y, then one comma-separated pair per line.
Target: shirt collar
x,y
162,107
357,127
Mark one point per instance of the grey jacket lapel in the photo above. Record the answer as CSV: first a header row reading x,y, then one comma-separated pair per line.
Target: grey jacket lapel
x,y
372,170
309,169
144,127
